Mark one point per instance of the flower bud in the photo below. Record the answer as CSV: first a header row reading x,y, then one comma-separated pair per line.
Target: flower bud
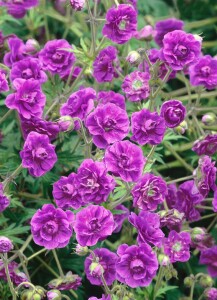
x,y
210,294
198,38
81,251
96,269
163,260
188,281
147,33
66,123
54,295
209,119
37,294
133,57
5,244
77,4
197,234
206,281
32,46
181,128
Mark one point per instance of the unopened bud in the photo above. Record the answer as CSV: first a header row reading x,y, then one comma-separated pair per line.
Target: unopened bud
x,y
198,38
32,46
37,294
206,281
81,251
163,260
209,119
197,234
66,123
188,281
96,269
77,4
5,244
54,295
181,128
147,33
133,57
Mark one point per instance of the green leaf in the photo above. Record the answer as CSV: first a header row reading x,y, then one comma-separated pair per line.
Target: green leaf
x,y
165,289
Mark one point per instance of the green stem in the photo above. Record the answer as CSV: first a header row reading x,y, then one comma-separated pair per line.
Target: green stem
x,y
58,263
192,291
179,158
107,290
78,79
159,281
205,217
93,29
204,207
212,224
163,82
6,115
36,254
47,32
10,284
100,44
203,95
199,24
12,176
181,179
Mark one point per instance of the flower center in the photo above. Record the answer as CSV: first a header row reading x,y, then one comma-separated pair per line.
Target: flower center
x,y
123,160
30,98
137,266
177,247
137,84
122,25
68,188
181,50
50,227
27,73
109,124
41,153
94,224
205,71
57,57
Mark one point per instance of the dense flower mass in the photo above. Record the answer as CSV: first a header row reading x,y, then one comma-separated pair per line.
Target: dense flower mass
x,y
147,127
57,57
105,97
38,155
28,99
107,124
148,226
180,49
177,246
105,64
93,223
121,23
136,86
103,263
52,227
149,192
136,265
94,184
173,112
204,72
209,258
125,160
207,145
18,9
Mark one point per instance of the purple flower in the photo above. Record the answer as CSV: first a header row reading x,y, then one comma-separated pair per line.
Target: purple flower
x,y
171,196
57,56
125,160
147,127
93,223
136,86
148,227
165,26
79,104
28,99
94,184
137,265
28,68
107,124
188,197
121,23
210,294
173,112
177,246
16,53
172,218
3,82
209,258
18,8
154,56
38,155
120,217
204,72
207,145
16,276
39,125
104,65
105,97
67,282
149,192
214,202
105,260
66,193
4,201
146,33
77,4
52,227
5,244
205,175
180,49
